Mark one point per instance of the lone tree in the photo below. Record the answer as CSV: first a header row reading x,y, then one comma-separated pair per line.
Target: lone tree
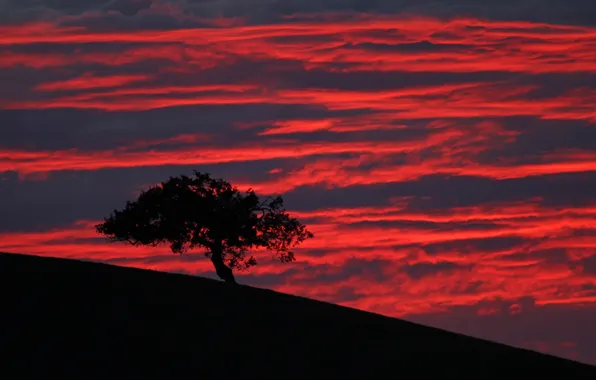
x,y
200,211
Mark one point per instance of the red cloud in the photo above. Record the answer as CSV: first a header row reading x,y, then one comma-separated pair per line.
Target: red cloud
x,y
89,81
461,45
502,272
351,242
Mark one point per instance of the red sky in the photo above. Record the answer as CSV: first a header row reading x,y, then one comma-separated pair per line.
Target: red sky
x,y
444,157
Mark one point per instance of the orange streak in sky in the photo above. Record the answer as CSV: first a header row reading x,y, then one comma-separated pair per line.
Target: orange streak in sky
x,y
493,46
88,81
342,240
449,150
43,161
462,100
344,173
196,57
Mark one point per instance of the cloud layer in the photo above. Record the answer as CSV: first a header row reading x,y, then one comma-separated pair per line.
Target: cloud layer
x,y
444,153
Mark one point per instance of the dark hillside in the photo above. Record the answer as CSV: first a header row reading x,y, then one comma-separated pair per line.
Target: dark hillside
x,y
64,318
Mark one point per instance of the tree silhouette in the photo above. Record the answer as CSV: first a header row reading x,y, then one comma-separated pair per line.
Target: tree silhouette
x,y
200,211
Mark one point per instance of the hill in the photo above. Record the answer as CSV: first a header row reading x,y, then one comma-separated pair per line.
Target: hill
x,y
65,318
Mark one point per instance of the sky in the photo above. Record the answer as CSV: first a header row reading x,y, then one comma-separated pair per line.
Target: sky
x,y
442,152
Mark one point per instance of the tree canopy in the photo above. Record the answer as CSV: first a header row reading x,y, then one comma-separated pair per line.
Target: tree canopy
x,y
200,211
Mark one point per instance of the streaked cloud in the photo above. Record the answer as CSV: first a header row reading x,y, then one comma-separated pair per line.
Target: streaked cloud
x,y
443,153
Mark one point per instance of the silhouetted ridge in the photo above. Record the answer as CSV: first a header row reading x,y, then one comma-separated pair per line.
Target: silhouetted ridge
x,y
79,319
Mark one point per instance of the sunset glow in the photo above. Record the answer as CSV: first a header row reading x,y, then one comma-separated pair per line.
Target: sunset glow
x,y
446,163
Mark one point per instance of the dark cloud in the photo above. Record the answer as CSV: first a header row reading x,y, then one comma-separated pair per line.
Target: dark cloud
x,y
442,192
485,245
420,270
589,265
128,7
94,130
65,197
547,256
73,7
582,12
90,131
537,138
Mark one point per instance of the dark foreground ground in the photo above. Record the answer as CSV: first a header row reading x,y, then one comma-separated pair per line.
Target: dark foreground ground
x,y
70,319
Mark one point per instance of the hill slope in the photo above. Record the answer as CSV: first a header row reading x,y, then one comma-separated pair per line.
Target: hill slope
x,y
64,317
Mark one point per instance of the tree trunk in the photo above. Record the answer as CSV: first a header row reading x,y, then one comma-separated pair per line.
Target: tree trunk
x,y
223,271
